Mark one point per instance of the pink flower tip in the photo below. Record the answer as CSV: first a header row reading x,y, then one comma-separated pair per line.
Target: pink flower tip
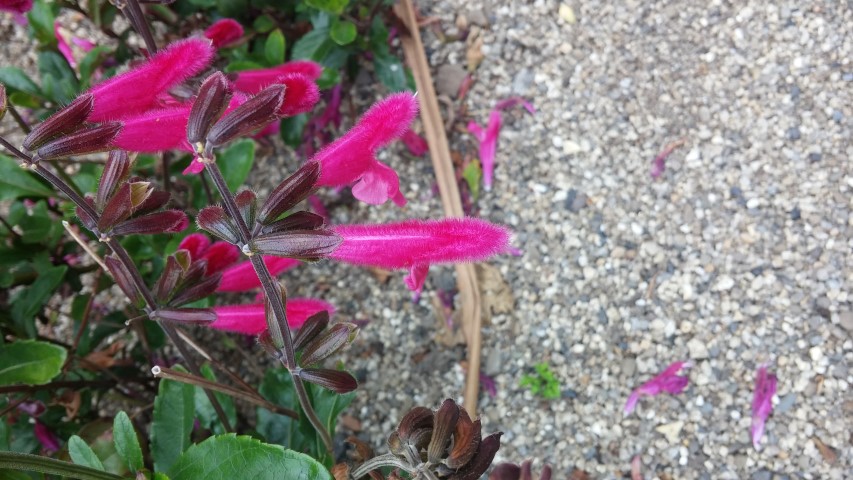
x,y
488,140
667,381
251,319
762,403
224,32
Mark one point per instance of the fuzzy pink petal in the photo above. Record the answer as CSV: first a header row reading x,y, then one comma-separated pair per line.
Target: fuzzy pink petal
x,y
415,143
301,94
762,403
137,90
196,244
84,44
224,32
156,130
346,159
416,278
49,441
251,319
377,185
220,256
195,166
253,81
63,46
242,276
18,7
414,242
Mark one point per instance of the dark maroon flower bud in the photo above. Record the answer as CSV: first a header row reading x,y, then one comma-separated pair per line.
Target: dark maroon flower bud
x,y
416,419
117,209
88,221
443,427
309,330
338,381
168,280
155,201
480,463
297,221
255,114
64,121
290,192
299,244
506,471
336,338
247,203
91,140
123,279
216,221
212,99
196,291
169,221
115,173
185,315
195,272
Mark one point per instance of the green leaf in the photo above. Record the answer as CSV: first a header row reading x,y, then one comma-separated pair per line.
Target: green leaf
x,y
203,3
38,226
16,182
328,79
57,78
313,45
236,162
274,48
232,8
37,463
30,362
328,405
16,80
126,442
240,65
22,99
82,454
390,72
472,174
41,20
343,32
331,6
174,411
277,387
31,300
263,24
205,412
227,457
291,129
90,62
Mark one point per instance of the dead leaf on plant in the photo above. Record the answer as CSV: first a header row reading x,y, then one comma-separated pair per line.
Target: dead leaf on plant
x,y
70,399
104,359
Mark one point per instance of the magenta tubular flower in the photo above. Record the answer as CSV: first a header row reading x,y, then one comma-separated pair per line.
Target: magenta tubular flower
x,y
242,276
667,381
48,440
415,143
415,245
352,158
17,7
218,255
137,90
253,81
300,96
224,32
251,319
488,145
156,130
762,403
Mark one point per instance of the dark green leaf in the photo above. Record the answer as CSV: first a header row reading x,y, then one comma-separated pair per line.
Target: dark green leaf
x,y
204,409
203,3
277,387
28,304
126,442
313,45
236,162
57,78
390,72
16,182
37,226
232,8
263,24
41,20
328,79
328,405
343,32
82,454
332,6
240,65
22,99
228,457
51,466
90,62
30,362
274,48
174,411
16,80
292,128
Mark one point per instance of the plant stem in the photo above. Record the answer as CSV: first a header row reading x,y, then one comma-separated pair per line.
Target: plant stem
x,y
75,384
136,17
36,463
278,327
18,118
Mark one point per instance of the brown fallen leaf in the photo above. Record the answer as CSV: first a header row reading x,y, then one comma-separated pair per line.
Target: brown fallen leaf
x,y
495,291
474,51
104,359
447,331
351,423
827,452
70,399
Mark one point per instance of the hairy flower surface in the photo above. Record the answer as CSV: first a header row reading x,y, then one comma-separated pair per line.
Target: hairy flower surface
x,y
762,403
224,32
351,159
253,81
667,381
242,276
251,319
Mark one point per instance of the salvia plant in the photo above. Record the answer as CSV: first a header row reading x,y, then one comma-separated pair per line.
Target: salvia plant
x,y
95,205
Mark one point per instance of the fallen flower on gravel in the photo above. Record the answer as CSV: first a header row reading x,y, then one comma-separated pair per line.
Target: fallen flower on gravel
x,y
667,381
488,139
251,319
513,101
224,32
762,403
659,163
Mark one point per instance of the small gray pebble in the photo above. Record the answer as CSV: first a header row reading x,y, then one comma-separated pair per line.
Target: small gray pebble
x,y
786,402
793,133
815,157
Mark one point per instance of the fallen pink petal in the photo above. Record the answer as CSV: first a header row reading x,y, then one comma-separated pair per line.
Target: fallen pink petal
x,y
667,381
253,81
416,245
659,162
251,319
138,90
224,32
762,403
513,101
488,139
352,158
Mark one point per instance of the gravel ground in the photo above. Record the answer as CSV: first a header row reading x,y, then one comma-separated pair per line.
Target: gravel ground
x,y
740,253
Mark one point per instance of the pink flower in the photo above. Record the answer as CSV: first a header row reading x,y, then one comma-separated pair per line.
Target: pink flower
x,y
253,81
762,403
667,381
488,145
415,143
352,158
63,46
139,89
224,32
18,7
300,96
49,441
218,255
156,130
415,245
242,276
251,319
